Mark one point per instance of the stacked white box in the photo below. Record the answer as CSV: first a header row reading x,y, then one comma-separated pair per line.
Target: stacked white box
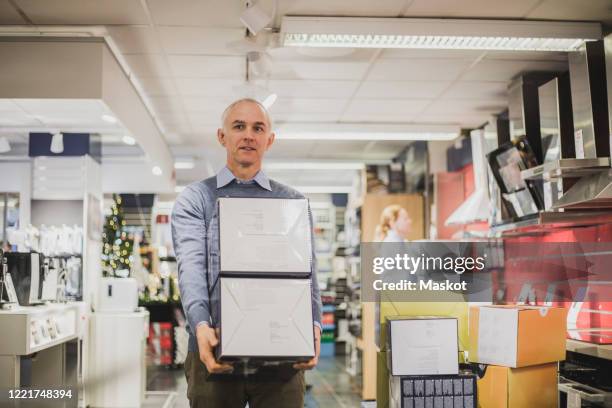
x,y
266,295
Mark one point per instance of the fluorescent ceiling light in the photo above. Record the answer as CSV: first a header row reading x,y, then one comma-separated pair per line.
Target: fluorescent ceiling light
x,y
5,146
156,170
322,165
365,131
128,140
255,18
57,143
109,118
184,164
468,34
269,100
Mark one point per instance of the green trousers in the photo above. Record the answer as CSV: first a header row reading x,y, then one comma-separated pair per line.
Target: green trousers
x,y
275,388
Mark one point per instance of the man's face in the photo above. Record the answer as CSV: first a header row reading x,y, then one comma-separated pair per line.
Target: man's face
x,y
246,134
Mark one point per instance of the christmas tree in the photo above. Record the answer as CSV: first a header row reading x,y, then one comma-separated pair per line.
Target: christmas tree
x,y
117,243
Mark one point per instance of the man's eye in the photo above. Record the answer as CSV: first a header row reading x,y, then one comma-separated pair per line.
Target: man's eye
x,y
258,128
239,127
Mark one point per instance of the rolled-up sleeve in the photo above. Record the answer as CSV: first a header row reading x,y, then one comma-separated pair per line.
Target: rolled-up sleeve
x,y
316,294
189,240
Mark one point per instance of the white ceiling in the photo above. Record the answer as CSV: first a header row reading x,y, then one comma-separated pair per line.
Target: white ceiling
x,y
177,50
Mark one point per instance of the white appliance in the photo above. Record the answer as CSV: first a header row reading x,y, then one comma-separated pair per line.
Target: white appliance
x,y
265,235
266,319
423,345
117,364
117,295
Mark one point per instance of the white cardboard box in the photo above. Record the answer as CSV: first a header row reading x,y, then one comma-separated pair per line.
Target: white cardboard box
x,y
423,345
266,318
265,235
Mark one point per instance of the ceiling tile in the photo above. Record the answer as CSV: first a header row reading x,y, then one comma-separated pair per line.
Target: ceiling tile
x,y
361,8
302,117
214,106
318,70
199,40
470,9
418,69
314,105
78,12
135,40
381,107
148,65
205,13
8,14
505,70
477,89
466,106
311,88
576,10
455,119
207,87
401,89
198,66
158,86
167,104
527,55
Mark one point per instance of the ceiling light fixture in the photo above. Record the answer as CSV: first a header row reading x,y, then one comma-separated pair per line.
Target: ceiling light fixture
x,y
57,143
128,140
269,100
5,146
423,33
109,118
184,164
255,18
156,170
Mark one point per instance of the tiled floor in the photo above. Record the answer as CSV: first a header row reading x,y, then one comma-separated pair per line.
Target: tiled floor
x,y
331,385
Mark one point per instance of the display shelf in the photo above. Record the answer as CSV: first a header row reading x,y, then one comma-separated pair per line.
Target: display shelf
x,y
566,168
546,221
595,350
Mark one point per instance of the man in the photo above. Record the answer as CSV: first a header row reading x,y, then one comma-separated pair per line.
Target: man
x,y
246,135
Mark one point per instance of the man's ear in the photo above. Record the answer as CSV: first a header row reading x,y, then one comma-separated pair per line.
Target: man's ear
x,y
221,136
270,140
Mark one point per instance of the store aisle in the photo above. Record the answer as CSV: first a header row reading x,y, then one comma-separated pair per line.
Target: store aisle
x,y
331,385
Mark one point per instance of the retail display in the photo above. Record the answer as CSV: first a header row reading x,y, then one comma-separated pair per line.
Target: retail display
x,y
521,198
53,241
117,295
422,345
266,319
117,244
506,387
265,236
517,336
452,391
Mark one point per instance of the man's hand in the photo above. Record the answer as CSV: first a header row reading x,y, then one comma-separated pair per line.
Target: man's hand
x,y
310,364
207,341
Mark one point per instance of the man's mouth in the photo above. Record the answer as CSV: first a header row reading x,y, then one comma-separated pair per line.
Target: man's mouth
x,y
248,148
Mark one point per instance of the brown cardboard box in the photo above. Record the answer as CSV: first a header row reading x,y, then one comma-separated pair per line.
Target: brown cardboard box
x,y
527,387
517,336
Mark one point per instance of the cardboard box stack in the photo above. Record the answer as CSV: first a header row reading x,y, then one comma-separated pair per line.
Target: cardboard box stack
x,y
423,361
456,307
521,347
265,251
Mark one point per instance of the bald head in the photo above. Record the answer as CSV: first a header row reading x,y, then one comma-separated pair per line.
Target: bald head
x,y
226,113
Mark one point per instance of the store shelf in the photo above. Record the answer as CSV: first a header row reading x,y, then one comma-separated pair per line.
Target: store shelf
x,y
566,168
595,350
546,221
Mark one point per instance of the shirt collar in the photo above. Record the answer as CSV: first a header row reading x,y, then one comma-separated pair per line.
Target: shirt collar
x,y
225,176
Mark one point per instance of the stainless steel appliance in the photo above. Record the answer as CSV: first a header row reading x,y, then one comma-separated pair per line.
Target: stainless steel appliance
x,y
27,275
